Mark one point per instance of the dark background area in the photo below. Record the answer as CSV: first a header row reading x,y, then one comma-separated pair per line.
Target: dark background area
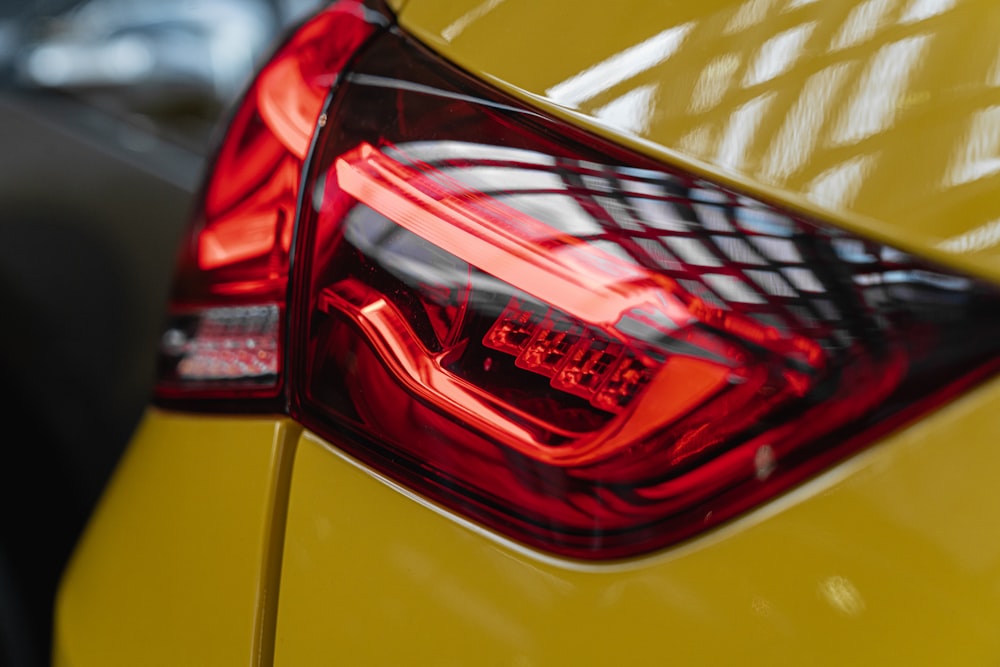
x,y
108,109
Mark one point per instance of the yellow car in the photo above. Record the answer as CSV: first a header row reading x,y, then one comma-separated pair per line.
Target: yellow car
x,y
537,333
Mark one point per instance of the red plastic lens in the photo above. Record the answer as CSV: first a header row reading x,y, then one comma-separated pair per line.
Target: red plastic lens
x,y
576,346
226,312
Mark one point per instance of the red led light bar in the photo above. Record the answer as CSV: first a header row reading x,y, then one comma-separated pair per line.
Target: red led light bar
x,y
552,266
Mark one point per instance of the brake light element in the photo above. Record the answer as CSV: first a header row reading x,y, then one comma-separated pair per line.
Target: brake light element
x,y
567,342
226,311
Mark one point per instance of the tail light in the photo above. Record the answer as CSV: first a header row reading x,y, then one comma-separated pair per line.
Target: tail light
x,y
226,314
574,345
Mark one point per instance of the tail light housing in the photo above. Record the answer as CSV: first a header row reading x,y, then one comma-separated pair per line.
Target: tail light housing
x,y
576,346
227,311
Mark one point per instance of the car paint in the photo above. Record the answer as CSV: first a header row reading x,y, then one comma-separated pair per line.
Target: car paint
x,y
179,563
888,556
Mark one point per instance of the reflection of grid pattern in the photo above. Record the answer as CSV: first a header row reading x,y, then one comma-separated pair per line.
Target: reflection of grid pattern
x,y
728,250
736,254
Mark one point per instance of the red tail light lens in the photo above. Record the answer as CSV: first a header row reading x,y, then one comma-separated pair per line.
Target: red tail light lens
x,y
580,348
226,312
569,343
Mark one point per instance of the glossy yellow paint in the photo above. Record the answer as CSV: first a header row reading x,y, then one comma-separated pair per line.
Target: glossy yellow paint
x,y
178,565
883,115
890,558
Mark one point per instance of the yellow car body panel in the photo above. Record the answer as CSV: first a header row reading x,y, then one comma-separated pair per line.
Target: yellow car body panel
x,y
881,115
179,562
890,558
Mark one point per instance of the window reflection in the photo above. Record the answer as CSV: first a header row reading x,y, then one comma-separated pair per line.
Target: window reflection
x,y
975,240
797,137
749,14
632,111
458,26
698,141
978,154
795,4
863,21
837,187
713,83
919,10
852,93
742,131
778,54
841,594
619,68
993,77
882,86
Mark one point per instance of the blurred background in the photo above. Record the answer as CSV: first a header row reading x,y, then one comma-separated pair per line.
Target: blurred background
x,y
108,111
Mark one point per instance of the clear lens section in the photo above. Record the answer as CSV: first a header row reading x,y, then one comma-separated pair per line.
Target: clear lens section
x,y
233,344
578,347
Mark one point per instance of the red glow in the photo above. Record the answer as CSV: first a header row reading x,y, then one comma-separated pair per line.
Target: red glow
x,y
250,200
